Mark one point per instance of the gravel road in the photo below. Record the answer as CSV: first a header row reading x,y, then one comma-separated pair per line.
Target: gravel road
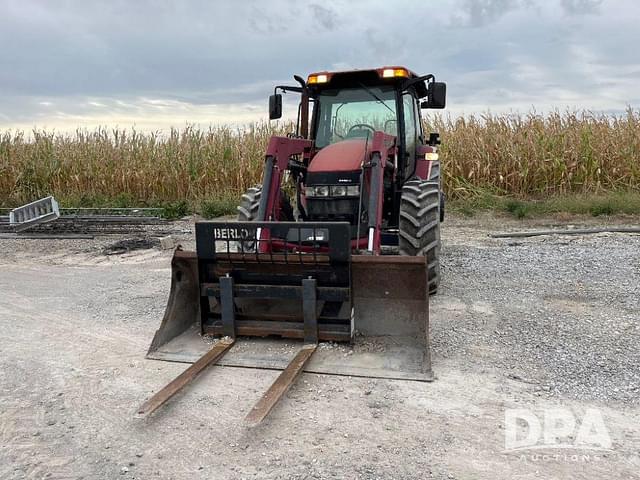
x,y
539,324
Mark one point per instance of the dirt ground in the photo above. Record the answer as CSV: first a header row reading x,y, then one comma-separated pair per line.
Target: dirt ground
x,y
530,323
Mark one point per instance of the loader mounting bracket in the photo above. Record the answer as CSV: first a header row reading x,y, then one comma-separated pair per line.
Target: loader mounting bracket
x,y
287,279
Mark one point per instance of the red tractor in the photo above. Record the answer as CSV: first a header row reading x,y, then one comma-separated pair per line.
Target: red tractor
x,y
340,243
362,157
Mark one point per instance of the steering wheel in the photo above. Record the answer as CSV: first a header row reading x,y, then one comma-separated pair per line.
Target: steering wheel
x,y
360,126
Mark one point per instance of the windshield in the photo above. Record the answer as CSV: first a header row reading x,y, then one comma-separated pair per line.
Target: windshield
x,y
354,112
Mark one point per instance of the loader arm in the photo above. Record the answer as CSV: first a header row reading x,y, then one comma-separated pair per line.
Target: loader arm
x,y
279,152
382,148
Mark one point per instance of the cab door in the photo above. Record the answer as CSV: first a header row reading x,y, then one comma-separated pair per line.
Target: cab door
x,y
411,133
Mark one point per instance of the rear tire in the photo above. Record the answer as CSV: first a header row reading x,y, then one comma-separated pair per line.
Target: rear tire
x,y
419,232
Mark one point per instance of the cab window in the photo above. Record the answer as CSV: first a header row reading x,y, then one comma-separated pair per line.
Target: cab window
x,y
410,131
353,113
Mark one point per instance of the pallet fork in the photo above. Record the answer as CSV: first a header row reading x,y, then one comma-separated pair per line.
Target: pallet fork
x,y
284,380
307,286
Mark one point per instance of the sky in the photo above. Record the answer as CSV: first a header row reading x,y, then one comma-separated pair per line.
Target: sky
x,y
161,64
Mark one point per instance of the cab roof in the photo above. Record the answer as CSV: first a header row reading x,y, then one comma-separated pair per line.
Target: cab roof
x,y
388,75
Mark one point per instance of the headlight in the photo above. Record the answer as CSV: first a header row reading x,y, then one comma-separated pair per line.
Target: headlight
x,y
321,191
318,191
338,191
332,191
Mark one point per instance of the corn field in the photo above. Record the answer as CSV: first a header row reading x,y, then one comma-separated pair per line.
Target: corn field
x,y
536,156
525,156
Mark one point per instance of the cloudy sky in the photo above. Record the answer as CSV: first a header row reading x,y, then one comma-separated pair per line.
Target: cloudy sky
x,y
155,64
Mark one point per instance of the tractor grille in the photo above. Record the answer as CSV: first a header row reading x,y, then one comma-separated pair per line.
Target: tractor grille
x,y
333,209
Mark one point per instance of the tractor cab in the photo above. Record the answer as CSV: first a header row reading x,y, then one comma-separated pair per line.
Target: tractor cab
x,y
342,113
355,104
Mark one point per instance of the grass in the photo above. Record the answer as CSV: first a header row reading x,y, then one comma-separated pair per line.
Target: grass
x,y
218,207
524,165
612,203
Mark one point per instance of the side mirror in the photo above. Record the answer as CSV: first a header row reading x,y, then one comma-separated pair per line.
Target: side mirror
x,y
275,106
436,95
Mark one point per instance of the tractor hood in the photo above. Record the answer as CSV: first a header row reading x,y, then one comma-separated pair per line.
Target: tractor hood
x,y
344,156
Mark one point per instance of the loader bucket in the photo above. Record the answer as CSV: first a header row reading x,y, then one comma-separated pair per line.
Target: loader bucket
x,y
391,310
183,308
372,310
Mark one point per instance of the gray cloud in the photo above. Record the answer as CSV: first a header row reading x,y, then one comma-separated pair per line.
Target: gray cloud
x,y
580,7
478,13
121,61
326,17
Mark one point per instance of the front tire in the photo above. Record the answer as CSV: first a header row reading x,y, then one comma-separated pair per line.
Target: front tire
x,y
248,212
419,226
249,204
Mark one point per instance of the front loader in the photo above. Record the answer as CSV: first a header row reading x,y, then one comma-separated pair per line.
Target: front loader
x,y
339,245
